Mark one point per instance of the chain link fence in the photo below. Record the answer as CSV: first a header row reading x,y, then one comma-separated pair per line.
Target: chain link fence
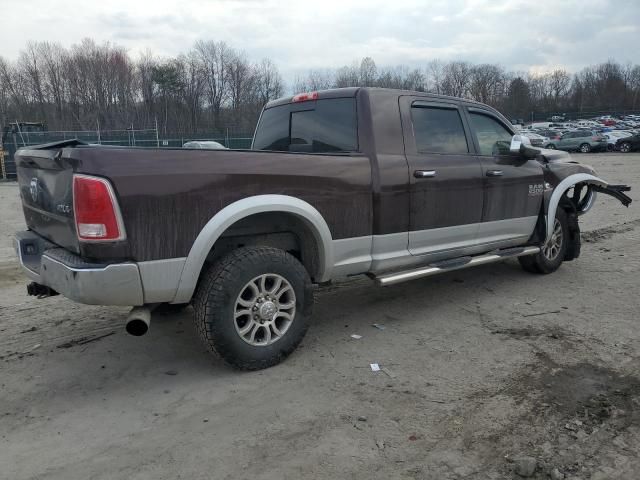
x,y
230,138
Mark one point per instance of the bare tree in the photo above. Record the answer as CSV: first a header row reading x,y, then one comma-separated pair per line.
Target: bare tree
x,y
347,77
314,80
487,83
215,58
368,72
455,80
269,81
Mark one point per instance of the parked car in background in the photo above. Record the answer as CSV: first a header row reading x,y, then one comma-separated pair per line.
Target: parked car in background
x,y
628,144
536,140
204,145
613,137
549,133
583,141
587,124
557,118
535,125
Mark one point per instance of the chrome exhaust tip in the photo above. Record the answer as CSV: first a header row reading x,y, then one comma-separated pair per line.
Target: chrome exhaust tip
x,y
138,321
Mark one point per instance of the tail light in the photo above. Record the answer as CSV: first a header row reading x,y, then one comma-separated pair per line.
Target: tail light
x,y
305,97
96,210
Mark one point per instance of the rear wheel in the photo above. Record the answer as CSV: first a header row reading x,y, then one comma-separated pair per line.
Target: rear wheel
x,y
551,146
625,147
585,148
252,307
553,252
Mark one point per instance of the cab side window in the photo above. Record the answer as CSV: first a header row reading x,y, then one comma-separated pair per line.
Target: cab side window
x,y
438,130
493,137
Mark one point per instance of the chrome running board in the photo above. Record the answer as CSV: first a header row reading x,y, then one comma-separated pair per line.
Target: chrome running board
x,y
451,265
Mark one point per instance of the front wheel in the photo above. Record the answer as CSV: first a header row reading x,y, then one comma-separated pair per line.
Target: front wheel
x,y
585,148
553,252
252,307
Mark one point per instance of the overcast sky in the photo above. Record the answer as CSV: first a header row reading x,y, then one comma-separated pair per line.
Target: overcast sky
x,y
527,35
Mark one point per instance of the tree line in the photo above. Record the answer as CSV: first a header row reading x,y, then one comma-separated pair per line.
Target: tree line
x,y
90,86
609,86
215,86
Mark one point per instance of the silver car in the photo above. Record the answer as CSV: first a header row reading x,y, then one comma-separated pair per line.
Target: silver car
x,y
204,145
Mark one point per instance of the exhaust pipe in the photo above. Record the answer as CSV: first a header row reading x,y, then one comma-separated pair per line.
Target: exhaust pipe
x,y
138,321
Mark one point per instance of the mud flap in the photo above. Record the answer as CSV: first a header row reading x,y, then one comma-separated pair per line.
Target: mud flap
x,y
573,246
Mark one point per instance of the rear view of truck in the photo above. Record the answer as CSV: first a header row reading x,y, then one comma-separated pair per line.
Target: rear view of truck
x,y
66,213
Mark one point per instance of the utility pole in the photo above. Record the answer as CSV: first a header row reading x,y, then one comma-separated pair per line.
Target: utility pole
x,y
157,138
98,130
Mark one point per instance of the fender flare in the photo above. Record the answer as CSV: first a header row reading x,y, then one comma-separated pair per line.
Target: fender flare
x,y
240,209
561,189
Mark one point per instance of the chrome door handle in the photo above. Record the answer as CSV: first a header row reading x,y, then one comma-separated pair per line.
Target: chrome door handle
x,y
494,173
424,173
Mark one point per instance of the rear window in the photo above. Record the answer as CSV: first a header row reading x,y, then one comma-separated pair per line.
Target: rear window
x,y
321,126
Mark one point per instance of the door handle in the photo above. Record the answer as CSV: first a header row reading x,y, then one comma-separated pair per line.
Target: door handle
x,y
424,173
495,173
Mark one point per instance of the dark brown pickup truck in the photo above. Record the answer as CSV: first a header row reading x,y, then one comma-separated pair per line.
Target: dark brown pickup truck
x,y
394,184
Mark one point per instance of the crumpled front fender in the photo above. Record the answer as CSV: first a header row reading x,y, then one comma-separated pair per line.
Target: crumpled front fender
x,y
596,183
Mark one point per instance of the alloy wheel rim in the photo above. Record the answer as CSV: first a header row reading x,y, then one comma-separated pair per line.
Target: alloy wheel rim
x,y
552,248
264,309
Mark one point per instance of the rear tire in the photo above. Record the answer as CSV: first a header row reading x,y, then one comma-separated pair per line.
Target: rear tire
x,y
252,307
585,148
553,253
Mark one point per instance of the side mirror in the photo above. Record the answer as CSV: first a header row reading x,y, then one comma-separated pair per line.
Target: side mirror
x,y
517,141
521,147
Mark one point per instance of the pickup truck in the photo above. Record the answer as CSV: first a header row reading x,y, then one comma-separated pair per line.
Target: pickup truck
x,y
396,185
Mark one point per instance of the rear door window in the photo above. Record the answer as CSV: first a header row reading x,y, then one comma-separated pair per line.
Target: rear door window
x,y
438,130
321,126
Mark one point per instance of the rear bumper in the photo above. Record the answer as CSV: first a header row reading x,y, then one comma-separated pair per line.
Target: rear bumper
x,y
74,277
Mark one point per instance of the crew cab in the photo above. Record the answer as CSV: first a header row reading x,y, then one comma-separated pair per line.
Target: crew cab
x,y
396,185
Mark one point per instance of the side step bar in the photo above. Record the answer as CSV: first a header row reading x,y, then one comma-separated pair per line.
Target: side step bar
x,y
451,265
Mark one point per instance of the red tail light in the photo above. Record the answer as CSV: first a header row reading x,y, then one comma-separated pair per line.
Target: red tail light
x,y
305,97
96,210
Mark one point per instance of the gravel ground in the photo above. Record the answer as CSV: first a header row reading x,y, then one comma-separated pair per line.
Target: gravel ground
x,y
487,372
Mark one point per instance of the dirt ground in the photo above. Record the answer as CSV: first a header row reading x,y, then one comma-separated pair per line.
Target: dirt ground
x,y
487,371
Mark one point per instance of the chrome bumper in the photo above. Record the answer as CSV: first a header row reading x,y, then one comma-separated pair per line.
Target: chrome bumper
x,y
76,279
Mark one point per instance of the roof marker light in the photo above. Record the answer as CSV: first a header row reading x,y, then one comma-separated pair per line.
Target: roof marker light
x,y
305,97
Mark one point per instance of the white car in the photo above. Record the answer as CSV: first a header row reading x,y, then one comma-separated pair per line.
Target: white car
x,y
588,124
536,140
204,145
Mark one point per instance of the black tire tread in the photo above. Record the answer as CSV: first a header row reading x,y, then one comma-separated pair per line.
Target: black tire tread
x,y
210,292
538,263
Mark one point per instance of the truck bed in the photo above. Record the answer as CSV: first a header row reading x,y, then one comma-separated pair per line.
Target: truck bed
x,y
166,196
